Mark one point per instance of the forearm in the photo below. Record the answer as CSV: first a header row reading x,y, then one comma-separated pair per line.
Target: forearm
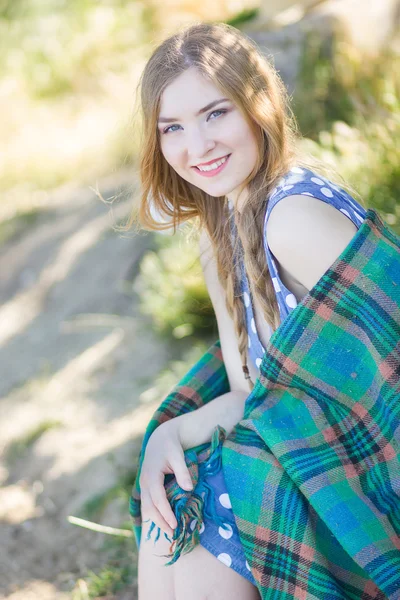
x,y
196,427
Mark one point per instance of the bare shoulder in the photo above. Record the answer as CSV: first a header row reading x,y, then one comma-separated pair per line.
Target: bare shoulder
x,y
306,236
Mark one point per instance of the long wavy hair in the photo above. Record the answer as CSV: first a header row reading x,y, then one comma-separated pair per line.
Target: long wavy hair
x,y
234,64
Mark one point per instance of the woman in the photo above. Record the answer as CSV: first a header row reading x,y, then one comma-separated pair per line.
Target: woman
x,y
220,146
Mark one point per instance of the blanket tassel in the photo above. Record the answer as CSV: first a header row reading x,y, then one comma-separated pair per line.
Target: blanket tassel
x,y
189,507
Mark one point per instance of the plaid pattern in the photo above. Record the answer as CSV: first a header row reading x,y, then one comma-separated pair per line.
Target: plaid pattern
x,y
313,469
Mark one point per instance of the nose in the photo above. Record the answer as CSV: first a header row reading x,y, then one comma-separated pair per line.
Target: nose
x,y
198,146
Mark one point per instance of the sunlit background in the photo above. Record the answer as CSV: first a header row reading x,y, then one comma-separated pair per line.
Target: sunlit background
x,y
96,325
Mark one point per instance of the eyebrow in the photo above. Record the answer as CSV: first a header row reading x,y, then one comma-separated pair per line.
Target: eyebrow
x,y
202,110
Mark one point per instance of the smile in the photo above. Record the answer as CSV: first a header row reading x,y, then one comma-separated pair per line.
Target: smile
x,y
214,169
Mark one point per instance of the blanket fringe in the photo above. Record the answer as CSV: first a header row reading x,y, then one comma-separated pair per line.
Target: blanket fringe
x,y
191,507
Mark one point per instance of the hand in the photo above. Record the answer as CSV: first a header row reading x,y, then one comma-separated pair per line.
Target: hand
x,y
163,454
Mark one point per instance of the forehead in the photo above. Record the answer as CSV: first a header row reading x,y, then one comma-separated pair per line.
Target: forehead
x,y
189,92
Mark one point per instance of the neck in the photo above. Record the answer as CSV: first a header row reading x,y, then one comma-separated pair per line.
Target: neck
x,y
238,199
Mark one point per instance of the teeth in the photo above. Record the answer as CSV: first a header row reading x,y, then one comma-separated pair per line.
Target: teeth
x,y
214,165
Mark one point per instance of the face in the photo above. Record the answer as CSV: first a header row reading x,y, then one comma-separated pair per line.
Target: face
x,y
199,128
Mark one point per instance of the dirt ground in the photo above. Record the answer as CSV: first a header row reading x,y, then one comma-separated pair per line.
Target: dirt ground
x,y
76,357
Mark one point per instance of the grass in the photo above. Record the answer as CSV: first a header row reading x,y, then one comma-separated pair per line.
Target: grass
x,y
118,571
60,48
94,507
19,224
243,17
172,290
336,83
18,447
68,71
117,556
348,109
176,369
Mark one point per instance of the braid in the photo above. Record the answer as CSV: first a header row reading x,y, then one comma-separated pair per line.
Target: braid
x,y
250,227
249,246
229,278
236,310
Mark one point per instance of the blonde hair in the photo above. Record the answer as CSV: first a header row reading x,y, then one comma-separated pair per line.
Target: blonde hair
x,y
233,62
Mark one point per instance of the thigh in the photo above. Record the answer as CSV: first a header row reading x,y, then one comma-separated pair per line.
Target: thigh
x,y
155,580
199,575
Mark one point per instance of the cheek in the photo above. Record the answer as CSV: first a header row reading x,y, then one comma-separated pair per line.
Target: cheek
x,y
249,139
242,137
251,146
172,154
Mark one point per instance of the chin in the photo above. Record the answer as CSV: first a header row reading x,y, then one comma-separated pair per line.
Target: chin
x,y
216,191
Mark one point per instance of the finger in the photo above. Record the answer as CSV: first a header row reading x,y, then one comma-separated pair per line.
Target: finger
x,y
160,500
156,496
150,511
182,473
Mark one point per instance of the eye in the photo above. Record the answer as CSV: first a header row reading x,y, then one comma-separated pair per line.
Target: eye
x,y
222,111
169,128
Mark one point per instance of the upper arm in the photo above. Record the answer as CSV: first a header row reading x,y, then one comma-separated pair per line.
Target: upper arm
x,y
226,329
307,235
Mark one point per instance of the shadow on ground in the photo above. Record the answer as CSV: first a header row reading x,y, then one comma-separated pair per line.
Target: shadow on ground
x,y
78,355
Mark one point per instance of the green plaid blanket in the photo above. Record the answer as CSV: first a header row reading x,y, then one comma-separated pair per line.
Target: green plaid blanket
x,y
313,469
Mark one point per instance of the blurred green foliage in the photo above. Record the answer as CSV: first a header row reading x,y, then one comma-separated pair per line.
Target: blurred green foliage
x,y
176,369
119,570
337,83
242,17
19,224
94,507
369,159
172,290
18,447
58,47
348,109
68,71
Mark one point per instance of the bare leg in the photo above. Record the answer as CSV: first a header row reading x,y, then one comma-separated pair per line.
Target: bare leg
x,y
155,580
199,575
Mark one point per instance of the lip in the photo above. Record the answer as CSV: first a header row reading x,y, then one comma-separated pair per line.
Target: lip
x,y
214,171
210,162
